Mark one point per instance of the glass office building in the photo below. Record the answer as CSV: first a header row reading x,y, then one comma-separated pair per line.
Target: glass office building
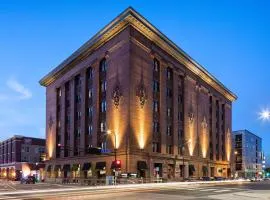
x,y
248,154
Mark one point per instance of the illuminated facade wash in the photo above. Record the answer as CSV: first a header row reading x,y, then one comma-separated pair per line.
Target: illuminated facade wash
x,y
167,116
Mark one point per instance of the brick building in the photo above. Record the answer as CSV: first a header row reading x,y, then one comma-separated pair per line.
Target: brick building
x,y
20,155
167,115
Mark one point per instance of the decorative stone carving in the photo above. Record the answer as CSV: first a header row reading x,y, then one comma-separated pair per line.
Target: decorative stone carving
x,y
204,123
117,93
141,92
191,117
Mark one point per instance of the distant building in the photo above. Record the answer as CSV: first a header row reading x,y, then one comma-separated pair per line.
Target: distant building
x,y
21,156
248,154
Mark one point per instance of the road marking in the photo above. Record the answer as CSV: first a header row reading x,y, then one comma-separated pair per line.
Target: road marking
x,y
219,191
205,190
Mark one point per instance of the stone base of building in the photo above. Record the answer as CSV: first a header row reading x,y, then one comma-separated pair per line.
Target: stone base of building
x,y
139,165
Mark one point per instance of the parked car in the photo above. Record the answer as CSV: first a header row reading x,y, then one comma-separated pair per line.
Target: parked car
x,y
206,178
218,178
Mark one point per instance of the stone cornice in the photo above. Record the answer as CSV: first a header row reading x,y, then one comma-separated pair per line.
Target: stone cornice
x,y
131,17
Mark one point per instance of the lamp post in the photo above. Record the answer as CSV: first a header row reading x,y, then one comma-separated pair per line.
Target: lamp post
x,y
235,154
109,132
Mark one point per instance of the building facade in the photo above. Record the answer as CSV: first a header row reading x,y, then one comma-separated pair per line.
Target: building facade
x,y
168,117
248,154
21,156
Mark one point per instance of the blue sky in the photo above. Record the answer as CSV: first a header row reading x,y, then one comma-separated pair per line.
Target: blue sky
x,y
230,39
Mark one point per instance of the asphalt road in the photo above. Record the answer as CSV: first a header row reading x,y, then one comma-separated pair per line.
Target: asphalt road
x,y
239,191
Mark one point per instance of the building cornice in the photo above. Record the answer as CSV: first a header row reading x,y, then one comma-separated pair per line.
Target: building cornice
x,y
131,17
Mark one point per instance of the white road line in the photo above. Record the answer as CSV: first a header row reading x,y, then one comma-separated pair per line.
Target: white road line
x,y
205,190
219,191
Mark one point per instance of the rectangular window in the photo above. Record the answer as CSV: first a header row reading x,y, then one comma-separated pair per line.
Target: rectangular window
x,y
169,130
155,106
156,86
90,129
169,149
103,106
155,147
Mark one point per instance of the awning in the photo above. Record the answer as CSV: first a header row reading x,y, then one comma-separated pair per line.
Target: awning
x,y
57,168
66,168
86,166
75,167
49,168
100,165
141,165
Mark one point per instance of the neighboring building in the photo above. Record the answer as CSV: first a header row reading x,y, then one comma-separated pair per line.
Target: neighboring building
x,y
21,156
248,154
168,116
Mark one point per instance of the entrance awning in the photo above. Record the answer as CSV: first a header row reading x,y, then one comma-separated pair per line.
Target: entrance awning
x,y
49,168
86,166
75,167
100,165
57,168
141,165
66,168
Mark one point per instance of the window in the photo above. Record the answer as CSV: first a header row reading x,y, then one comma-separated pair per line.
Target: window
x,y
156,127
59,92
90,111
78,98
103,126
103,86
168,112
169,73
155,106
103,106
155,147
79,114
89,73
27,149
90,93
156,65
103,65
169,149
90,129
169,92
169,130
78,132
156,86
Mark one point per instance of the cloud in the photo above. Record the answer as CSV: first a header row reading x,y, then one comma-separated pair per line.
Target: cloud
x,y
19,88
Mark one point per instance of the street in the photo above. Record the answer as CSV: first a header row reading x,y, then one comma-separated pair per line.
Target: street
x,y
238,190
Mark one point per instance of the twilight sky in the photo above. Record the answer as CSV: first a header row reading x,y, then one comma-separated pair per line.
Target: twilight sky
x,y
231,40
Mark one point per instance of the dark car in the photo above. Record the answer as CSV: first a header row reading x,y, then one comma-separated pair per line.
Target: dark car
x,y
218,178
206,178
30,180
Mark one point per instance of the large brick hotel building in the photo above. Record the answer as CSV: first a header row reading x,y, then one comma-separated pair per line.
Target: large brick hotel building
x,y
167,115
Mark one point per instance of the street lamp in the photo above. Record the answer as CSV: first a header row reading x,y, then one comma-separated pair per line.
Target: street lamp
x,y
109,132
116,162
